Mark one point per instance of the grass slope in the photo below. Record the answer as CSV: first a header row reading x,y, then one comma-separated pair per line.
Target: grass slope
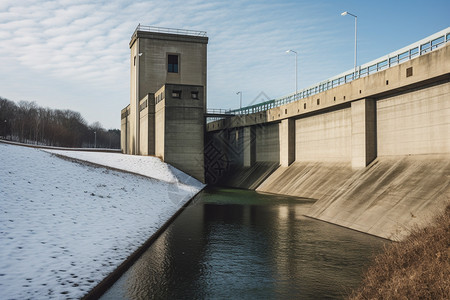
x,y
416,268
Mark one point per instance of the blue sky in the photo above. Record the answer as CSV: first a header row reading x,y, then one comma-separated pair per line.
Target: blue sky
x,y
74,54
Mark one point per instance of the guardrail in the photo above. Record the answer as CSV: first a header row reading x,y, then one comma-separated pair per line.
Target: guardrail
x,y
421,47
218,111
169,30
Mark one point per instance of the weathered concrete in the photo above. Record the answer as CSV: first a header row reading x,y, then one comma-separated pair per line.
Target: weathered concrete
x,y
350,146
287,142
249,146
364,135
149,52
179,130
125,129
390,197
417,122
426,69
267,143
314,180
147,125
386,199
324,137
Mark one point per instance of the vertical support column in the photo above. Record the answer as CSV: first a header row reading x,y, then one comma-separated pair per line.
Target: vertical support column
x,y
364,136
151,124
131,131
287,142
138,98
249,146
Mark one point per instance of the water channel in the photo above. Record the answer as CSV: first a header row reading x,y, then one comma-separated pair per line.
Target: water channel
x,y
239,244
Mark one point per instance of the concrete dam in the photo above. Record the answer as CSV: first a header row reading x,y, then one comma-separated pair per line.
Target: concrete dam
x,y
372,147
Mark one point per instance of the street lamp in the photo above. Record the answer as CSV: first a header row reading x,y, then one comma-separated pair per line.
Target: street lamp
x,y
240,99
356,21
287,51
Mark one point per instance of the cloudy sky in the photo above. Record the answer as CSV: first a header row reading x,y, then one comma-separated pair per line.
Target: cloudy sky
x,y
74,54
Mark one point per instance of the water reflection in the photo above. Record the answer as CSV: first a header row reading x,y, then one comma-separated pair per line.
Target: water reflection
x,y
245,245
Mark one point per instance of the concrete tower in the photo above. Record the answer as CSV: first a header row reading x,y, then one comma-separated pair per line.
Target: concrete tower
x,y
160,57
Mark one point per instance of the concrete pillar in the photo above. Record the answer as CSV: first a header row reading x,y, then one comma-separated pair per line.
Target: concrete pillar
x,y
248,146
364,136
287,142
151,124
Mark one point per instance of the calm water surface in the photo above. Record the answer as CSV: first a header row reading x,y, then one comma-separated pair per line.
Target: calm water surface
x,y
238,244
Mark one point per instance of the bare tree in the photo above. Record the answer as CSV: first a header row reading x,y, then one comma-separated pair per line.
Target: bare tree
x,y
27,122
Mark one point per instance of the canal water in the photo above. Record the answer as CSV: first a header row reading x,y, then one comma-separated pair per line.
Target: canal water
x,y
239,244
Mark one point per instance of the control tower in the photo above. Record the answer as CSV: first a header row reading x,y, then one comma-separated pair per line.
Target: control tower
x,y
166,62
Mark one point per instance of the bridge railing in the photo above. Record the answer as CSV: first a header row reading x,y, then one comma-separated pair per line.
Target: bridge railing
x,y
421,47
218,111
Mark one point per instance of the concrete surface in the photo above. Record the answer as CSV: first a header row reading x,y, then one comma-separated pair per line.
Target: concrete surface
x,y
179,134
390,197
314,180
373,152
149,72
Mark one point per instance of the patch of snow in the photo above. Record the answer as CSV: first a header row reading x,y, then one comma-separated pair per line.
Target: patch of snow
x,y
64,226
149,166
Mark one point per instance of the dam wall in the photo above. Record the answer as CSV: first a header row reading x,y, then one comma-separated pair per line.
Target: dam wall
x,y
373,152
390,197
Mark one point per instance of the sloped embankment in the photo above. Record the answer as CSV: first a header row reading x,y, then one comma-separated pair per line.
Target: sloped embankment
x,y
387,199
314,180
416,268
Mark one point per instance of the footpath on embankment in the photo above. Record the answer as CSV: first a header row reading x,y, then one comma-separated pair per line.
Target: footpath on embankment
x,y
388,198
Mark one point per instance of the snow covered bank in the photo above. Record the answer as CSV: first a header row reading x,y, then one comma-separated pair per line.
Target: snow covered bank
x,y
64,225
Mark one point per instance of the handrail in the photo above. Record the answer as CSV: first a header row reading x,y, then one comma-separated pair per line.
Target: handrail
x,y
169,30
218,111
421,47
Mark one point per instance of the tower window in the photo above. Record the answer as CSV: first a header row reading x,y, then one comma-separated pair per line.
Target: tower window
x,y
194,95
172,63
176,94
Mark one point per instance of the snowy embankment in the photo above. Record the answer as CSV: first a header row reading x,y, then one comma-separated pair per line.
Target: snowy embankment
x,y
66,225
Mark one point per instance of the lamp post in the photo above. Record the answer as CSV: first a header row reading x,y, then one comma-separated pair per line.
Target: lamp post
x,y
287,51
356,21
240,99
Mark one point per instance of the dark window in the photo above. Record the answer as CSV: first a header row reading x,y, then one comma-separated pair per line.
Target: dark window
x,y
135,60
176,94
194,95
172,63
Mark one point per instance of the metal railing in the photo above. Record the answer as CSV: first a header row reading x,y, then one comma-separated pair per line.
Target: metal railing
x,y
218,111
421,47
169,30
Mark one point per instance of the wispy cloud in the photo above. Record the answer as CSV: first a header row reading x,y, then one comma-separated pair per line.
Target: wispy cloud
x,y
75,54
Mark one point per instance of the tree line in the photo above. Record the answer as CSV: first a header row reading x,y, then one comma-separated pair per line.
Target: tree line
x,y
27,122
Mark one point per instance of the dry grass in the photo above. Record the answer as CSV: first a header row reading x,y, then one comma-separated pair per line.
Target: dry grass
x,y
417,268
